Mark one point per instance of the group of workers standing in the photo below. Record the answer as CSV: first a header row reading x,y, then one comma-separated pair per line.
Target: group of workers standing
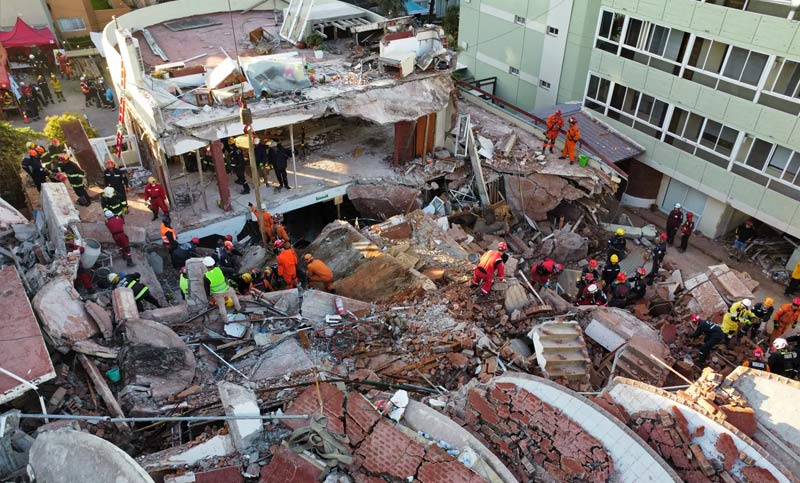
x,y
553,126
268,155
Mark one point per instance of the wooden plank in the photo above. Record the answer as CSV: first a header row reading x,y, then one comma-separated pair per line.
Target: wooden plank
x,y
104,391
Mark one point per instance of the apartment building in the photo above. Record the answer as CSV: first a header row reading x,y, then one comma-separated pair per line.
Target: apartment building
x,y
711,90
537,51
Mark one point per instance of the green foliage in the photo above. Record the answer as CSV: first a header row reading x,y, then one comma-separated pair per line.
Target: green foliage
x,y
314,40
392,8
53,127
450,21
100,5
12,149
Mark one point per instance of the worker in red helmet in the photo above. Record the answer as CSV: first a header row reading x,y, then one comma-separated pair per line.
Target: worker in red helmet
x,y
287,263
657,255
638,285
758,361
786,318
619,291
542,271
712,336
493,261
589,268
552,128
118,179
686,231
573,136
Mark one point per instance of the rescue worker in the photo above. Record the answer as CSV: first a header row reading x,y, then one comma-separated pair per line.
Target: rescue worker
x,y
786,318
141,292
712,336
617,245
744,233
553,127
542,271
493,261
237,162
287,263
278,230
169,237
763,312
184,252
794,281
111,201
217,287
268,282
58,89
320,276
262,162
243,283
76,177
118,179
86,89
611,270
279,159
54,150
657,256
589,269
686,231
592,295
619,292
228,261
573,136
255,213
32,164
83,276
738,314
116,226
41,83
783,361
638,285
757,361
156,197
183,283
674,221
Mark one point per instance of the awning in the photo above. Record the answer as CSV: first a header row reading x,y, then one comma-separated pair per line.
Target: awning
x,y
414,8
23,35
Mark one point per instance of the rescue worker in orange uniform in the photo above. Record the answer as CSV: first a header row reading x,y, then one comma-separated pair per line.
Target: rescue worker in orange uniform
x,y
320,276
268,222
786,318
573,136
492,261
287,263
168,235
757,362
553,126
278,230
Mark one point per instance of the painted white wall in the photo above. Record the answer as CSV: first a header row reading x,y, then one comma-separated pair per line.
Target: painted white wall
x,y
33,12
714,219
552,55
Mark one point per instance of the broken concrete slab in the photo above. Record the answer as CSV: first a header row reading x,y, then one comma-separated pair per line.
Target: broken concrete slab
x,y
288,357
383,201
14,443
395,228
648,231
59,214
342,248
707,300
197,300
286,466
156,357
67,456
561,350
220,445
568,247
100,317
537,193
318,304
516,296
254,257
728,283
124,304
92,348
22,349
634,360
287,301
239,401
63,314
174,314
137,235
381,279
10,216
611,327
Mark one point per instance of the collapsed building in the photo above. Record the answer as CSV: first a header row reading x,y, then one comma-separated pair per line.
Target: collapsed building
x,y
404,373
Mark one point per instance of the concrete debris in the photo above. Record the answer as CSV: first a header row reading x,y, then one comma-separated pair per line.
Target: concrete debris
x,y
240,401
63,315
100,317
59,214
381,201
342,248
561,351
729,283
318,304
612,327
124,305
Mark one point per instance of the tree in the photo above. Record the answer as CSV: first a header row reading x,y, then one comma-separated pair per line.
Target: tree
x,y
450,22
12,148
53,127
392,8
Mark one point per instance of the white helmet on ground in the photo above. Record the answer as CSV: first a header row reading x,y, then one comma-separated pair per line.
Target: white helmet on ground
x,y
108,213
108,191
209,262
779,344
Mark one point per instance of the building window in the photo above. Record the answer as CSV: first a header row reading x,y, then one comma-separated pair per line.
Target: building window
x,y
777,162
726,68
519,20
544,84
513,71
763,7
610,31
782,89
73,24
552,31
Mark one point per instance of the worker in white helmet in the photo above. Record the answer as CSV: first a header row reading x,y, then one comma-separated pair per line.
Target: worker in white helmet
x,y
217,287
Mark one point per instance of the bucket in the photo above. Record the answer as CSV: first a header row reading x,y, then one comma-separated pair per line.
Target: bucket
x,y
113,374
583,160
91,250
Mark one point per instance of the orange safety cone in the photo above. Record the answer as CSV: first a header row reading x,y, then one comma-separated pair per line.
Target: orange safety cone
x,y
25,117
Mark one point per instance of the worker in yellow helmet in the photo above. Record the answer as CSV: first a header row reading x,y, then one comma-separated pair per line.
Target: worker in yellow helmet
x,y
617,245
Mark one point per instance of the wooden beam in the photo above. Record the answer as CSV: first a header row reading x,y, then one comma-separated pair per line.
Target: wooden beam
x,y
104,391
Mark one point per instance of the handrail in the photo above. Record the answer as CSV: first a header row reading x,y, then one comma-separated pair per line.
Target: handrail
x,y
538,120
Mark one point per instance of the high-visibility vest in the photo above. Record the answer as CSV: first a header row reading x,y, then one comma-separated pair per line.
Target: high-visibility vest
x,y
217,280
164,231
489,259
183,283
139,289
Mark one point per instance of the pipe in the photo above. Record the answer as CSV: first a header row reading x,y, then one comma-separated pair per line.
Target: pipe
x,y
80,417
